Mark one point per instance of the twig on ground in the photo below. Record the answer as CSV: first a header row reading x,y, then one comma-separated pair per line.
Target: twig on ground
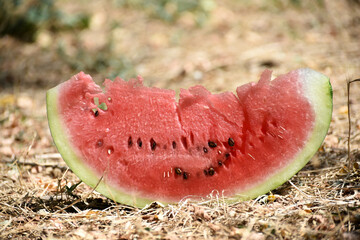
x,y
33,164
306,195
350,160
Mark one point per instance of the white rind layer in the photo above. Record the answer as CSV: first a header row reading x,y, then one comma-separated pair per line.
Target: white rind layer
x,y
316,88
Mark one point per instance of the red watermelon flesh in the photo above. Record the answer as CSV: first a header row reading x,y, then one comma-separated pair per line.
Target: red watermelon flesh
x,y
144,144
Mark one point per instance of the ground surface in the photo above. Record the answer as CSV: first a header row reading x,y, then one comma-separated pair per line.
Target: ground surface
x,y
229,47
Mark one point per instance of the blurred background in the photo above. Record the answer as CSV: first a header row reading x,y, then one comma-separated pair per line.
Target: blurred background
x,y
174,43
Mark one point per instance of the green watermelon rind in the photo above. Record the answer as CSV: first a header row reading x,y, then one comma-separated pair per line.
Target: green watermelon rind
x,y
72,159
316,88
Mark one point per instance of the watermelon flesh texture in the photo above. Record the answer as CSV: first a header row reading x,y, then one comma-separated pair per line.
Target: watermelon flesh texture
x,y
144,145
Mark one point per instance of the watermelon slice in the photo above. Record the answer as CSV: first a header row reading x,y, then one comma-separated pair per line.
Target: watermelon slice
x,y
137,144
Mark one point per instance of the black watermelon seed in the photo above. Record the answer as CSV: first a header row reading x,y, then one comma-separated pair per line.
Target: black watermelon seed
x,y
231,142
227,155
185,175
174,144
212,144
211,171
99,143
220,163
152,144
96,113
139,142
130,142
205,172
205,149
178,171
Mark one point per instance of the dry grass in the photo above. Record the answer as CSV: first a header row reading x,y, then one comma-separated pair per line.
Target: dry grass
x,y
237,43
